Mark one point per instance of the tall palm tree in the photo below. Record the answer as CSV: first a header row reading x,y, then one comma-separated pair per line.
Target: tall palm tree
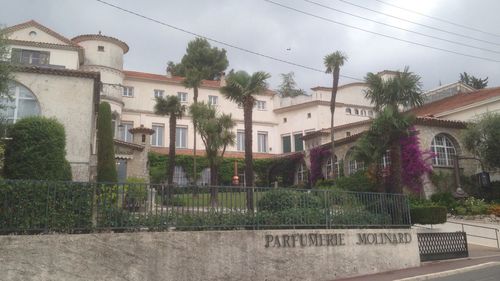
x,y
333,62
402,91
193,80
241,88
172,107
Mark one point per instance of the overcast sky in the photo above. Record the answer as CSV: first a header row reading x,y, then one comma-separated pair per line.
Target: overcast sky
x,y
262,27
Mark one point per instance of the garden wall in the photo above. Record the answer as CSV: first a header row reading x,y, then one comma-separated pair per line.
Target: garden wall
x,y
208,255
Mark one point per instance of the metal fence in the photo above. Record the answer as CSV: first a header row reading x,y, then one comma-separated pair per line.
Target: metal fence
x,y
38,206
442,245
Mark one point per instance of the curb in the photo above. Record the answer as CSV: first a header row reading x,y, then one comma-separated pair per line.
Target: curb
x,y
449,272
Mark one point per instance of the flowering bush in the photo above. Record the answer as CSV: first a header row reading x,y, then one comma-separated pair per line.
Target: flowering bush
x,y
413,161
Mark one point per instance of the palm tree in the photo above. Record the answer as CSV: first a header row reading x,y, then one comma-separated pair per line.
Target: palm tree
x,y
241,88
216,134
193,80
333,62
402,91
172,107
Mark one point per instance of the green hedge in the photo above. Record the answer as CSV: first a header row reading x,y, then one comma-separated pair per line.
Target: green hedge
x,y
50,206
428,214
37,150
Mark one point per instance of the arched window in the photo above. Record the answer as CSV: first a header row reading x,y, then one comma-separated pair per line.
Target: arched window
x,y
22,103
444,151
348,110
385,162
363,112
331,168
356,111
302,175
353,165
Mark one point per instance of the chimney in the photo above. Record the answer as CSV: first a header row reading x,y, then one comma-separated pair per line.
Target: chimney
x,y
222,79
168,72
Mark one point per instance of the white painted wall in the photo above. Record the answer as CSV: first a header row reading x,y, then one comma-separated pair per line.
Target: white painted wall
x,y
66,58
70,101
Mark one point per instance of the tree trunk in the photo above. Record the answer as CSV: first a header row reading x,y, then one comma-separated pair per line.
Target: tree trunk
x,y
396,167
171,155
195,174
249,176
335,85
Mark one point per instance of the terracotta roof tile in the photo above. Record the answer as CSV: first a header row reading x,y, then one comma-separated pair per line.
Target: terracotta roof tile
x,y
456,101
321,88
87,37
173,79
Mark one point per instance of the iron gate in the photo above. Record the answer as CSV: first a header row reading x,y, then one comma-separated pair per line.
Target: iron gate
x,y
442,245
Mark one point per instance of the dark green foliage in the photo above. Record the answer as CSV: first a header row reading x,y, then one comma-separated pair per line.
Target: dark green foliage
x,y
445,199
288,87
428,214
277,200
482,137
208,62
356,182
474,82
106,165
45,206
267,170
37,150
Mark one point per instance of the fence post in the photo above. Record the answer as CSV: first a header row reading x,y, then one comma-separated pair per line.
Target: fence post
x,y
93,206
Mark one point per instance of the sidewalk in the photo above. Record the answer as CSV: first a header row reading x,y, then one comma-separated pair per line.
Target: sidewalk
x,y
477,255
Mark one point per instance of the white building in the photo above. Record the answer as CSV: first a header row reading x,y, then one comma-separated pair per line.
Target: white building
x,y
66,78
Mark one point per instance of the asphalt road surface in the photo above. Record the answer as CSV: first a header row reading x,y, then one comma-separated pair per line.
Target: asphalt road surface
x,y
491,273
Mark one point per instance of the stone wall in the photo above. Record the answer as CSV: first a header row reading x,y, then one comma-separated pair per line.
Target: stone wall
x,y
208,255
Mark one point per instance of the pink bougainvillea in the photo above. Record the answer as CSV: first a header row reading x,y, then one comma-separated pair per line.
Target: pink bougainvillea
x,y
414,161
317,155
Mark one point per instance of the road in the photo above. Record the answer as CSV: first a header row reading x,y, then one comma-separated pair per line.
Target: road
x,y
491,273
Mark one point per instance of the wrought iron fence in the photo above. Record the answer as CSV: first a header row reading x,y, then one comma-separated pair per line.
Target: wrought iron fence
x,y
38,206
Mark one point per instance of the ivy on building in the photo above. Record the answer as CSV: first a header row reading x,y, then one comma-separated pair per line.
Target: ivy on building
x,y
267,171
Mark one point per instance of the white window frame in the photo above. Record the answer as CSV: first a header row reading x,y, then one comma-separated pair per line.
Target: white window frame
x,y
240,140
355,166
158,139
331,170
183,97
444,151
125,135
181,137
157,93
261,105
262,142
301,173
15,98
213,100
128,91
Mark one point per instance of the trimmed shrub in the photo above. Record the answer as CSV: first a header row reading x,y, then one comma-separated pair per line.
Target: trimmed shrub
x,y
106,165
277,200
45,206
444,199
37,150
428,214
